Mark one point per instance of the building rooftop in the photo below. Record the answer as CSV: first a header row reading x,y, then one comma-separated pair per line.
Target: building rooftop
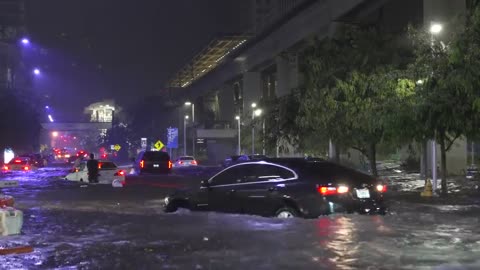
x,y
208,59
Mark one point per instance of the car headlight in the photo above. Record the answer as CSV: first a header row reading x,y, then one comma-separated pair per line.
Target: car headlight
x,y
166,200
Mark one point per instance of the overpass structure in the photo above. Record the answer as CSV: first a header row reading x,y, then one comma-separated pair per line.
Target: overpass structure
x,y
266,64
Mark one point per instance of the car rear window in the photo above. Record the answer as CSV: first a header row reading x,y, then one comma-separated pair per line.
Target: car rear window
x,y
21,161
158,156
186,158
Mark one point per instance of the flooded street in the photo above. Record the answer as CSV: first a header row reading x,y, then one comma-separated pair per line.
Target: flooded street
x,y
71,226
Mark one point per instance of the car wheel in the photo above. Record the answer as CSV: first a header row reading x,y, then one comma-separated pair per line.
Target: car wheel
x,y
171,207
286,212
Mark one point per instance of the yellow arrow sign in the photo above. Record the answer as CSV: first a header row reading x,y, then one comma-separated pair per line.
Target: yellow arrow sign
x,y
117,147
159,145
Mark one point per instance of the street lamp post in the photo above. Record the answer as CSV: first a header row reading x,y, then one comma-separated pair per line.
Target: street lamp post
x,y
257,113
185,135
435,29
254,105
188,103
239,150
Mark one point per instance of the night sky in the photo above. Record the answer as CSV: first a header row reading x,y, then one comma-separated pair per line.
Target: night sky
x,y
122,49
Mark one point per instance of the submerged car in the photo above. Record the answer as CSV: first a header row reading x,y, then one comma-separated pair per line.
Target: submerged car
x,y
285,187
185,161
20,164
153,162
473,173
108,172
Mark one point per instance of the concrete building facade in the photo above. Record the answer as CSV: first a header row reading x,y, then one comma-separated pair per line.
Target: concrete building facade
x,y
267,64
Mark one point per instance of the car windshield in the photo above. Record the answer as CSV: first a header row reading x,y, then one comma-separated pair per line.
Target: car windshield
x,y
19,161
186,158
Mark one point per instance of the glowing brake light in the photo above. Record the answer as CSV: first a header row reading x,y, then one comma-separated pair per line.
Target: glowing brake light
x,y
120,173
381,188
99,165
180,162
194,162
142,163
6,168
326,191
18,161
170,164
26,168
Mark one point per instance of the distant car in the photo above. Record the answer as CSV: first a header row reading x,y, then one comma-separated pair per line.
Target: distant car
x,y
185,161
231,160
20,164
153,162
36,159
472,173
285,187
108,172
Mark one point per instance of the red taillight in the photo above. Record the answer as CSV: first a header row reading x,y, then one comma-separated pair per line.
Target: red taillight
x,y
6,168
17,161
142,164
194,162
381,188
99,165
26,168
325,190
170,164
120,173
180,162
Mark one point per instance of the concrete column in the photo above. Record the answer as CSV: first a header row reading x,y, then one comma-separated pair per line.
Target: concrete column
x,y
252,90
226,103
287,74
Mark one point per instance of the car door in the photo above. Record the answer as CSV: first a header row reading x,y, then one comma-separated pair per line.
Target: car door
x,y
262,193
221,191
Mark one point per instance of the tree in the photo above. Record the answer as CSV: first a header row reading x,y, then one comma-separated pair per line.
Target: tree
x,y
447,98
353,86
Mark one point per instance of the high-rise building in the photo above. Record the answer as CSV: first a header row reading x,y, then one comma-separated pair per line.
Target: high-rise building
x,y
12,20
268,12
12,28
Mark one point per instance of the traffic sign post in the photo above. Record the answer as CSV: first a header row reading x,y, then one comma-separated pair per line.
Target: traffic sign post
x,y
159,145
117,147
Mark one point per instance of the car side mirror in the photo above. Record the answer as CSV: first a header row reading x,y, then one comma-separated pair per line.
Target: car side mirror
x,y
205,183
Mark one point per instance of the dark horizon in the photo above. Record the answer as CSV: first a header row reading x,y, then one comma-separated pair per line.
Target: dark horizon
x,y
94,51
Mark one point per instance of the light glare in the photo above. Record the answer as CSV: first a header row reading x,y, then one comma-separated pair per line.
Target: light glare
x,y
436,28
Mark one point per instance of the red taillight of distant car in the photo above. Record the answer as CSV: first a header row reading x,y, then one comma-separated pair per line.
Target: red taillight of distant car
x,y
381,188
170,164
26,168
120,173
142,163
194,162
17,161
328,190
180,162
6,168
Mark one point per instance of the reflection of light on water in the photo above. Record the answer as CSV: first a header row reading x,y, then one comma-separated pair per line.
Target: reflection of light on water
x,y
338,237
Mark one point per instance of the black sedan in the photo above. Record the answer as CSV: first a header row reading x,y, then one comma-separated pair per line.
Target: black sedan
x,y
288,187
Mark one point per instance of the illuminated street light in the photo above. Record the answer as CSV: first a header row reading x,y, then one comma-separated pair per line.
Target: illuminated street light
x,y
420,82
185,135
47,107
25,41
36,71
254,105
55,134
50,118
436,28
258,112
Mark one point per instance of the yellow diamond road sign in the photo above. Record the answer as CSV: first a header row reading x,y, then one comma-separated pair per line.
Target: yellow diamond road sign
x,y
117,147
159,145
